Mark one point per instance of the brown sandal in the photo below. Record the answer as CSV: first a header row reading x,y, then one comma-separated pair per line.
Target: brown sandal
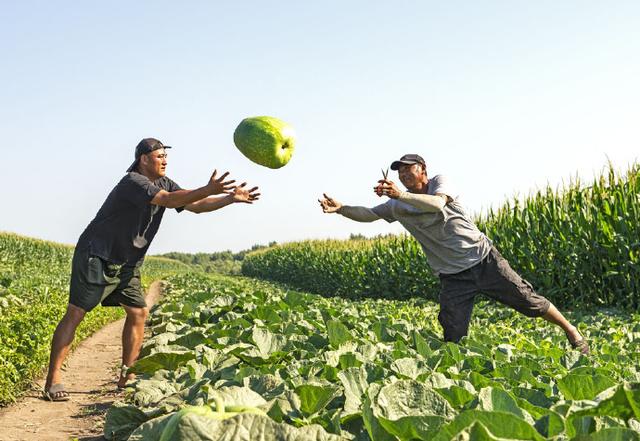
x,y
57,392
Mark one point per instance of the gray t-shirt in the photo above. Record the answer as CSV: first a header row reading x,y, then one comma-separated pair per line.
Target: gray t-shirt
x,y
450,240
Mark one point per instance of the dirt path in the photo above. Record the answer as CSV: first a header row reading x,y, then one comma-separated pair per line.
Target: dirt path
x,y
90,375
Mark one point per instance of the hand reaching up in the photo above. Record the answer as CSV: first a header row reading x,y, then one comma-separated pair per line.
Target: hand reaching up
x,y
219,185
241,194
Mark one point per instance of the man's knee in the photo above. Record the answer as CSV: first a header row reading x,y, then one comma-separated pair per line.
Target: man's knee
x,y
137,314
74,315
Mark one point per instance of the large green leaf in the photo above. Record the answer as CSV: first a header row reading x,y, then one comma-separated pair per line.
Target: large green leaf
x,y
500,424
243,427
338,333
268,386
236,396
269,347
550,425
162,360
295,299
192,339
499,400
267,342
410,368
354,382
409,409
610,434
314,398
121,420
374,428
584,386
478,432
457,396
623,403
150,392
161,339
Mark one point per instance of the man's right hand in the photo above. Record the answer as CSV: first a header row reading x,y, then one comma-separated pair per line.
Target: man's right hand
x,y
329,205
219,185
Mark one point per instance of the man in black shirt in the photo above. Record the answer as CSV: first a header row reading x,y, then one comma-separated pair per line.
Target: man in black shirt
x,y
107,259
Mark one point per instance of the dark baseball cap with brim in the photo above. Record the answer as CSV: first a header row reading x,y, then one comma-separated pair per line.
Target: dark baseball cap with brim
x,y
408,159
147,145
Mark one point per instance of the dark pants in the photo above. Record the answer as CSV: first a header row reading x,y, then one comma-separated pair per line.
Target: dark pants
x,y
493,277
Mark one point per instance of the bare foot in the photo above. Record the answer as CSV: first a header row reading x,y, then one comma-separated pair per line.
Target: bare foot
x,y
124,379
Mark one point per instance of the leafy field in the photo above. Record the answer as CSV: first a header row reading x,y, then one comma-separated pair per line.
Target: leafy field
x,y
233,359
579,246
34,280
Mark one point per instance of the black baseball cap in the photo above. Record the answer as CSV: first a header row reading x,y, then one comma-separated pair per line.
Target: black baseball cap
x,y
147,145
410,158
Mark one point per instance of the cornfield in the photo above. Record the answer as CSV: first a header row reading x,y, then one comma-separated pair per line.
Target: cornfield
x,y
578,245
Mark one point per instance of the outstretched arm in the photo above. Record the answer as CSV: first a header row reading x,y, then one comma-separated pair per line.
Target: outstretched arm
x,y
240,194
425,202
428,203
182,198
360,214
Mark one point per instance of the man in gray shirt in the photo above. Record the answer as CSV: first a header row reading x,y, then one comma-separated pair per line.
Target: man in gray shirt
x,y
462,257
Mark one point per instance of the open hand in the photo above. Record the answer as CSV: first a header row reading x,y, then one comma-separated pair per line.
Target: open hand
x,y
329,205
219,185
241,194
386,187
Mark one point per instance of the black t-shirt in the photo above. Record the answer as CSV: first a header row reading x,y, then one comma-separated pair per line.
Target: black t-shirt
x,y
126,223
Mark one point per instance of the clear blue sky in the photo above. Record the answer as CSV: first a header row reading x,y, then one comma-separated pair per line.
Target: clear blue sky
x,y
503,97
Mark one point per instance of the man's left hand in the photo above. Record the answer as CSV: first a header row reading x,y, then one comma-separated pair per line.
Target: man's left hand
x,y
241,194
388,188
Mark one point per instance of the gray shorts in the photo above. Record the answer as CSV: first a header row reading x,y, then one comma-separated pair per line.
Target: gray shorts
x,y
493,277
95,280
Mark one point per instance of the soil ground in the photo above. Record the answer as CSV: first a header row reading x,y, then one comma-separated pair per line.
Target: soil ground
x,y
90,377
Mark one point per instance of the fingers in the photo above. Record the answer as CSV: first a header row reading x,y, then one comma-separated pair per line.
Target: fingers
x,y
251,198
213,176
324,204
221,178
228,185
329,200
240,188
244,195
